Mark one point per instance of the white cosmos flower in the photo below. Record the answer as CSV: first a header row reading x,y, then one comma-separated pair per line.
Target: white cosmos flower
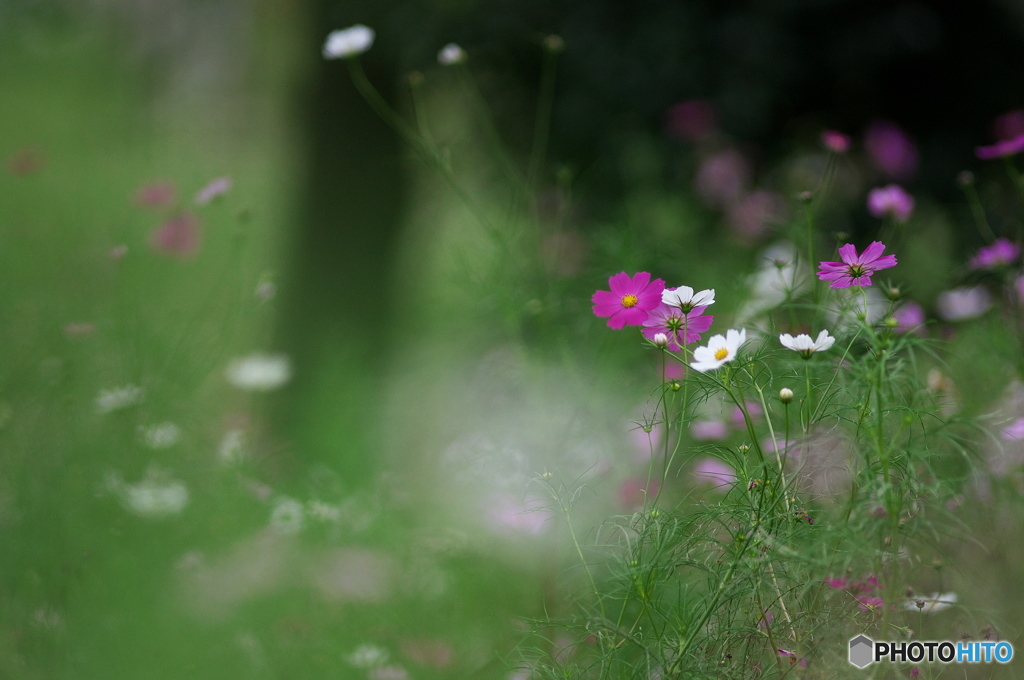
x,y
964,303
118,398
259,372
720,350
685,299
804,345
160,436
451,54
368,656
348,42
288,515
932,604
232,447
158,495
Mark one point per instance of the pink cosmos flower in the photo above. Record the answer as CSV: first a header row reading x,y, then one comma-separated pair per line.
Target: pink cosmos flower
x,y
837,583
753,215
723,178
870,603
1009,125
511,515
156,194
674,371
856,270
213,189
754,411
691,120
178,236
630,299
1014,431
681,328
1002,252
1006,147
909,318
892,201
634,491
915,672
869,584
709,430
836,142
891,149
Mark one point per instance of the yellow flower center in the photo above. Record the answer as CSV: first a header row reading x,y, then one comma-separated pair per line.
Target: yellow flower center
x,y
721,353
629,301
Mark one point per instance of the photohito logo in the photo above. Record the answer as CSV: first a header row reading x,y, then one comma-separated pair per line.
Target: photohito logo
x,y
864,651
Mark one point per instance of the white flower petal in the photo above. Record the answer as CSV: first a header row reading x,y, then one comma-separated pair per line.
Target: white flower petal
x,y
259,372
824,341
348,42
451,54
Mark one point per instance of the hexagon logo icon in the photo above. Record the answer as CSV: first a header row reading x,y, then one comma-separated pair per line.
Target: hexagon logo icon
x,y
861,651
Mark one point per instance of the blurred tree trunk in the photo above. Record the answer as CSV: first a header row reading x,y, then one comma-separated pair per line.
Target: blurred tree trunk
x,y
336,311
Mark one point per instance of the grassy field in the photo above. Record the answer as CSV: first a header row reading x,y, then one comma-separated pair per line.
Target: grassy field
x,y
547,497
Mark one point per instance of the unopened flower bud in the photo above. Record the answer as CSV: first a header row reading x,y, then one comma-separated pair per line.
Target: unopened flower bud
x,y
743,448
965,178
893,293
785,395
660,340
676,385
891,322
805,197
414,78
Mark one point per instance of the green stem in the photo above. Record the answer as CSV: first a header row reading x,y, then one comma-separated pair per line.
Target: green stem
x,y
398,124
542,122
978,211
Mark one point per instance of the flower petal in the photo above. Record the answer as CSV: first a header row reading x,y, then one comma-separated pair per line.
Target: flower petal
x,y
638,283
842,281
621,284
848,254
872,252
884,262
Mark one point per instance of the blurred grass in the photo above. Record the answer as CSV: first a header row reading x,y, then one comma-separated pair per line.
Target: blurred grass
x,y
88,589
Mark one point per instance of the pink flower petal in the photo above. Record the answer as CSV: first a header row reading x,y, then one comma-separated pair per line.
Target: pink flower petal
x,y
872,252
848,254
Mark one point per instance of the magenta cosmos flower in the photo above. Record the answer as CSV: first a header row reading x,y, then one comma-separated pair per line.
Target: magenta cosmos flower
x,y
891,200
1006,147
630,299
681,328
856,270
836,142
1002,252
